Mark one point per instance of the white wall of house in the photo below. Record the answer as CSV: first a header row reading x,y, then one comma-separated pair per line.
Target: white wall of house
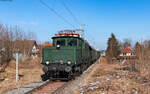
x,y
126,54
35,51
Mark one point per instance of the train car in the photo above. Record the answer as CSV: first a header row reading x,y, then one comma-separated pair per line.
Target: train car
x,y
69,56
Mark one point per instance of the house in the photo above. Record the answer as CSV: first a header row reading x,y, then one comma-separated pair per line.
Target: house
x,y
27,48
103,53
35,50
127,54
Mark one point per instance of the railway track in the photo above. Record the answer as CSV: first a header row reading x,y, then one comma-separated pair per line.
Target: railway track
x,y
49,88
39,87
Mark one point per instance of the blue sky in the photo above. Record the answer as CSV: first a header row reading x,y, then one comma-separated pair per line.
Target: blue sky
x,y
125,18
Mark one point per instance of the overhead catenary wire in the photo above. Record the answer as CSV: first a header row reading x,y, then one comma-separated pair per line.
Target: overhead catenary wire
x,y
54,11
74,18
71,13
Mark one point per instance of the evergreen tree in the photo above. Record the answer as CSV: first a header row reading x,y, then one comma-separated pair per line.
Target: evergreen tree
x,y
138,48
113,48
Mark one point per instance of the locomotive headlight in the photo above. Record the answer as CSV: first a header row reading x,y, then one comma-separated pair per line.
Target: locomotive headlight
x,y
69,62
61,62
47,62
58,46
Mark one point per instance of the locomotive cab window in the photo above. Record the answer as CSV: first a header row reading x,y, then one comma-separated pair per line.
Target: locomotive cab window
x,y
72,42
60,42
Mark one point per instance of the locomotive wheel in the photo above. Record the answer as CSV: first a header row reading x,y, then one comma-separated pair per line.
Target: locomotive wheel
x,y
44,77
71,76
81,69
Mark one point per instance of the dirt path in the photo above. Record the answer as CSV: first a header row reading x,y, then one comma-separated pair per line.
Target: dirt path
x,y
109,79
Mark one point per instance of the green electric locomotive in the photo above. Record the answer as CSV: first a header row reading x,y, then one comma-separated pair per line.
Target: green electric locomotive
x,y
70,55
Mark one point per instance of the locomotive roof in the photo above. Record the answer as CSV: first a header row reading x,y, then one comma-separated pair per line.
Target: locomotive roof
x,y
67,37
67,33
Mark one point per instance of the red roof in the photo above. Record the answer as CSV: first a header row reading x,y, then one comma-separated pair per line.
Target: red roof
x,y
127,50
46,44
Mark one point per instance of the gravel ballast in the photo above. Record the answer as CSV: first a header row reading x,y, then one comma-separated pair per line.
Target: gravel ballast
x,y
27,88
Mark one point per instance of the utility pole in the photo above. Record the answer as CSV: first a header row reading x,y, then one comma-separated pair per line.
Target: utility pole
x,y
81,30
17,57
17,71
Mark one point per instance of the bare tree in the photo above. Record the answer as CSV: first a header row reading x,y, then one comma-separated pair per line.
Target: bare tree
x,y
30,35
5,45
126,43
143,58
9,36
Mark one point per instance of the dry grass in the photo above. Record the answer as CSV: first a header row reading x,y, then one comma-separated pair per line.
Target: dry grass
x,y
107,79
29,71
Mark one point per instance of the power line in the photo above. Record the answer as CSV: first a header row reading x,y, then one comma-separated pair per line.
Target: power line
x,y
51,9
71,13
74,18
